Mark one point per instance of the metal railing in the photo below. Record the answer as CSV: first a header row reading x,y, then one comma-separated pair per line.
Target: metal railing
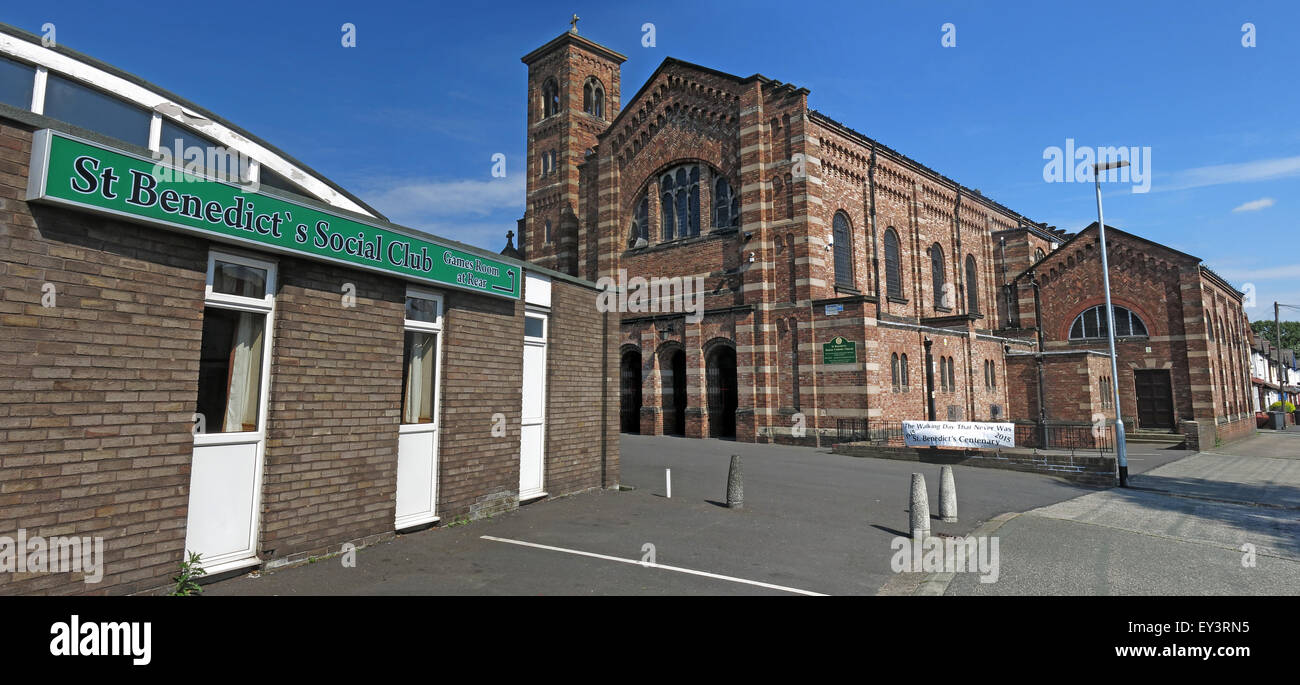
x,y
1068,437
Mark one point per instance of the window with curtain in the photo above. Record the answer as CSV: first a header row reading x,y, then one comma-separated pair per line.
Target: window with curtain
x,y
230,370
233,346
972,286
419,360
893,265
1092,323
937,277
843,237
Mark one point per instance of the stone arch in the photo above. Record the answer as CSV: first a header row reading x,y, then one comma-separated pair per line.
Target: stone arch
x,y
672,378
720,386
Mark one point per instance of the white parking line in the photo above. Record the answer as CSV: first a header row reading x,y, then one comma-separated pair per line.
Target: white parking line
x,y
648,564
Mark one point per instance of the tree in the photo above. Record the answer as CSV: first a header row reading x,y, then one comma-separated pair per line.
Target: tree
x,y
1290,333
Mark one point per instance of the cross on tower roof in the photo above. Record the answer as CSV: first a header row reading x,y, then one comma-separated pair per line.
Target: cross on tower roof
x,y
573,24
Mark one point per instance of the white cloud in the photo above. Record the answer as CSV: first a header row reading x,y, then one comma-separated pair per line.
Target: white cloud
x,y
1255,205
1241,172
422,200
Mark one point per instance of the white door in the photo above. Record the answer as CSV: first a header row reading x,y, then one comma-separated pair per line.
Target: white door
x,y
417,442
532,437
230,425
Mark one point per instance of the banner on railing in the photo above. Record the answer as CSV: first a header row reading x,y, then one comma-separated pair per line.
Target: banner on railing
x,y
958,434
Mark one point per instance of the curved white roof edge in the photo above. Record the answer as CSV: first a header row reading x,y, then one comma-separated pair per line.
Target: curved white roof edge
x,y
161,106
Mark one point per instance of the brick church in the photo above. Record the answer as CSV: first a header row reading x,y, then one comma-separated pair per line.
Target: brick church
x,y
844,282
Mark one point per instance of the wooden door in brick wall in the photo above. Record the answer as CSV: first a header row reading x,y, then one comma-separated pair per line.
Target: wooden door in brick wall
x,y
1155,398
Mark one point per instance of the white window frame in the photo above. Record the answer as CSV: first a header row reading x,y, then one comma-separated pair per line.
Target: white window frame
x,y
426,327
265,305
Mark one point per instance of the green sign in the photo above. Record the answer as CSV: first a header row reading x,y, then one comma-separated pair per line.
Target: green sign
x,y
840,351
71,171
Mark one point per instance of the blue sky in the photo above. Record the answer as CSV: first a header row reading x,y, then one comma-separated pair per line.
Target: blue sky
x,y
410,118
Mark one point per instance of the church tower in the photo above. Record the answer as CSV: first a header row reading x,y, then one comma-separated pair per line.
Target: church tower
x,y
573,94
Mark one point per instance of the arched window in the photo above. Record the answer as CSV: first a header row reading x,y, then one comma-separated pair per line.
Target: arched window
x,y
550,98
680,189
1038,255
593,98
895,380
726,204
902,365
1092,324
893,265
843,237
777,190
937,278
972,286
548,230
641,221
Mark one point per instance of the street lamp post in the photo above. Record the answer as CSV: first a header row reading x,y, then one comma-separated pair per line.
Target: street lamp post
x,y
1121,449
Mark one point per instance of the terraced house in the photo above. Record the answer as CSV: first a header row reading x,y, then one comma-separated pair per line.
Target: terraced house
x,y
844,282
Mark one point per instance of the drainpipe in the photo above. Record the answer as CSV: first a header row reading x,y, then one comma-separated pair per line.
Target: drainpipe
x,y
929,381
1042,380
875,255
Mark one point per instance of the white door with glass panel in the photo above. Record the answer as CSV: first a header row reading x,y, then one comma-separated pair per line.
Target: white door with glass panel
x,y
230,425
532,434
417,442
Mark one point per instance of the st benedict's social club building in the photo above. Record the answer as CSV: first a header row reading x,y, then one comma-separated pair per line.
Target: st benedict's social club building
x,y
224,352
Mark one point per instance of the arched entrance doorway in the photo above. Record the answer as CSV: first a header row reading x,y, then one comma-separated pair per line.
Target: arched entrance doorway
x,y
630,392
720,377
673,374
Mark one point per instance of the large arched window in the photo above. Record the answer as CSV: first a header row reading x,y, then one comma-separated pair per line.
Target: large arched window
x,y
1038,255
1092,324
972,286
641,221
937,278
550,98
843,237
893,265
593,98
726,204
679,189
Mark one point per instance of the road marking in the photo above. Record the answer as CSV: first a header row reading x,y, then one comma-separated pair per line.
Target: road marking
x,y
648,564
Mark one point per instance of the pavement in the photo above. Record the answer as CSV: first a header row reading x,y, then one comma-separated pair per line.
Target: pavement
x,y
812,522
1221,522
820,523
